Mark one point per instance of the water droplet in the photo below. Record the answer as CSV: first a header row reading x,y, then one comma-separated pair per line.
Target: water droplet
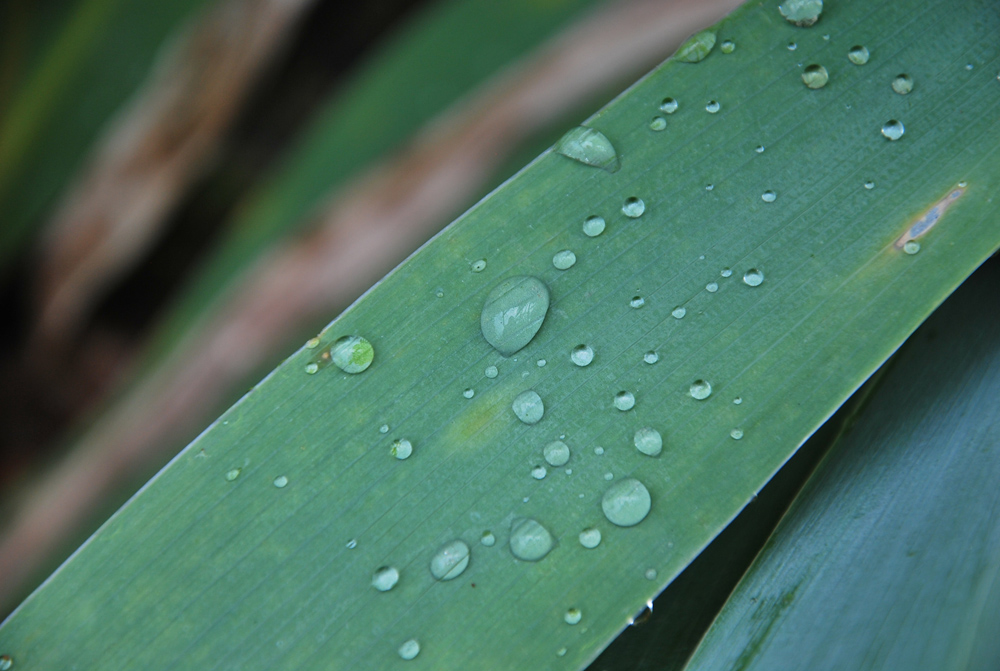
x,y
737,400
728,46
712,287
736,434
590,538
679,312
491,372
564,260
478,266
6,662
815,76
712,107
651,357
528,407
589,146
669,105
539,472
624,400
633,207
609,476
541,363
648,441
963,184
593,226
827,37
858,54
626,503
902,84
529,540
469,393
556,453
280,481
651,574
968,66
488,539
657,123
385,578
384,428
869,185
450,561
637,302
759,149
700,390
401,449
582,355
439,292
697,47
312,368
709,187
513,313
753,278
726,272
312,343
893,129
768,196
233,474
598,450
803,13
561,652
911,247
792,46
351,544
573,616
352,354
410,649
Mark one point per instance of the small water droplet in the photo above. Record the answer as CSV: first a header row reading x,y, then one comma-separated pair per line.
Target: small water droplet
x,y
648,441
700,390
384,428
590,538
669,105
712,107
869,185
792,46
539,472
561,652
232,474
697,47
737,400
911,247
858,54
401,449
609,476
968,66
815,76
598,450
624,400
827,37
488,539
893,129
709,187
513,313
573,616
541,363
626,503
637,302
280,482
651,357
657,123
556,453
450,561
736,434
678,312
651,574
726,272
491,372
409,649
478,266
352,354
385,578
963,184
753,278
590,147
564,260
759,149
6,662
593,226
728,46
529,540
768,196
439,292
712,287
312,368
469,393
312,343
802,13
528,407
902,84
351,544
582,355
633,207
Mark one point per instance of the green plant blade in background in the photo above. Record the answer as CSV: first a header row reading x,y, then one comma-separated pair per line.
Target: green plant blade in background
x,y
894,544
259,542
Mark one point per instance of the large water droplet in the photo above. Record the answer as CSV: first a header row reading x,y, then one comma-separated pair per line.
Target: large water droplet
x,y
589,146
529,540
410,649
556,453
402,449
679,312
700,390
697,47
478,266
728,46
648,441
564,260
636,302
469,393
815,76
902,84
488,539
769,196
593,226
736,434
352,354
858,54
590,538
792,46
869,185
6,662
626,502
753,278
668,106
726,272
759,149
384,428
911,247
712,107
385,578
450,561
573,616
281,482
582,355
633,207
657,123
651,357
712,287
624,400
802,13
539,472
513,313
528,407
893,129
491,372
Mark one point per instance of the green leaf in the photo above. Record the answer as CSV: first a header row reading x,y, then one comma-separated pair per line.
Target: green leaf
x,y
788,306
890,557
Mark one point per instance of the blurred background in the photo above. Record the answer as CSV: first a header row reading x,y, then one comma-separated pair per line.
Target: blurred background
x,y
189,189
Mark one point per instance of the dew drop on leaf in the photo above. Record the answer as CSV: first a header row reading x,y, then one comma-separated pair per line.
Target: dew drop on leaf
x,y
529,540
858,54
657,123
626,502
528,407
624,400
573,616
678,312
651,357
409,649
633,207
589,146
402,449
450,561
281,482
727,46
491,372
488,539
902,84
352,354
697,47
582,355
556,453
233,474
564,260
769,196
668,106
539,472
593,226
590,538
736,434
700,390
802,13
513,313
712,107
753,278
815,76
385,578
648,441
478,266
911,247
893,129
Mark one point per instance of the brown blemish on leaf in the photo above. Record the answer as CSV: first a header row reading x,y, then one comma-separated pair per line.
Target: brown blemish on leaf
x,y
930,217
